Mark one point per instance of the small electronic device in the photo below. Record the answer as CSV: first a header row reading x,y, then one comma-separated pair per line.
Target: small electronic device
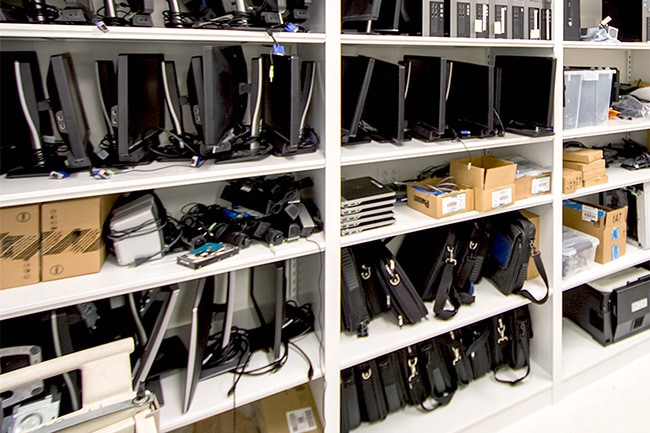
x,y
357,191
206,254
136,231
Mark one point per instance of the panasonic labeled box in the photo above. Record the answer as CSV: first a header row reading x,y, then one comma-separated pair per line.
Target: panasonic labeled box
x,y
611,308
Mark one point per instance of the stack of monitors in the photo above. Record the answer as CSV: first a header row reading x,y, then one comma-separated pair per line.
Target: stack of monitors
x,y
365,204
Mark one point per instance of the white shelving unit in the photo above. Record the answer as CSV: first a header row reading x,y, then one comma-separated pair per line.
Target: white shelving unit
x,y
563,356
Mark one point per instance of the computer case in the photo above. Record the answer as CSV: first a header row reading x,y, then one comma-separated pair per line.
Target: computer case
x,y
460,19
571,20
611,308
436,17
518,20
500,26
534,19
646,21
480,27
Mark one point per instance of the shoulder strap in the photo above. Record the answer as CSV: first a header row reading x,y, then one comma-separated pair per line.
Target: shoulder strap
x,y
537,259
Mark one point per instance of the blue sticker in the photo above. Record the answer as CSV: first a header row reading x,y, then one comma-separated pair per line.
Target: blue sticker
x,y
615,252
616,233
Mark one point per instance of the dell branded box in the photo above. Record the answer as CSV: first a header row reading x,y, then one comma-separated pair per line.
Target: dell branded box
x,y
611,308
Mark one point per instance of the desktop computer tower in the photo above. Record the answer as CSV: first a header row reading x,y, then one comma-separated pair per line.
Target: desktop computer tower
x,y
534,19
546,17
518,19
500,19
436,16
480,24
627,16
461,19
571,20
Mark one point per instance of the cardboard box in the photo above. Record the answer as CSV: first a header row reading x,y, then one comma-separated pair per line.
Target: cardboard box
x,y
527,186
581,166
571,181
19,246
533,218
71,236
492,179
607,225
438,204
593,174
242,418
289,411
596,181
579,154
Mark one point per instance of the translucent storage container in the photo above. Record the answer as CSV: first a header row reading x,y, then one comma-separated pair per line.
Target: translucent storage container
x,y
586,97
578,251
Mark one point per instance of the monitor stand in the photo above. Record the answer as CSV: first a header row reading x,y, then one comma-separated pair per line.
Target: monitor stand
x,y
253,149
529,130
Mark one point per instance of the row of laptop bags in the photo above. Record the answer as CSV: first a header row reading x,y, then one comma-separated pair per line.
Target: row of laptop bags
x,y
439,265
427,374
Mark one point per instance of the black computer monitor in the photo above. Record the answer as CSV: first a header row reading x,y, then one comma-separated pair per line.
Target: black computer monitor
x,y
215,91
426,94
25,118
524,91
287,90
356,72
359,14
388,21
470,107
106,82
68,110
140,105
384,108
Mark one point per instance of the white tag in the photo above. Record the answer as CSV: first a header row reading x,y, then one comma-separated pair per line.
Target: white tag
x,y
639,305
501,197
498,28
589,213
301,420
535,34
478,26
541,185
453,203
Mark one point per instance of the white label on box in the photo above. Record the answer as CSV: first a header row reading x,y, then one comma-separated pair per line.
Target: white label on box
x,y
589,213
501,197
541,185
639,305
453,203
301,420
478,26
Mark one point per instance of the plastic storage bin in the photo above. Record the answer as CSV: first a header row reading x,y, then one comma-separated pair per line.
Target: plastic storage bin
x,y
578,251
586,97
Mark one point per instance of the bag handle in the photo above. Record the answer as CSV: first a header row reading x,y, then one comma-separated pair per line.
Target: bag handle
x,y
524,347
537,259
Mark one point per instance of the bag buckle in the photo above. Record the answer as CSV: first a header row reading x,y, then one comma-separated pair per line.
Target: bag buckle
x,y
451,259
365,272
394,278
413,366
501,329
367,374
533,251
457,356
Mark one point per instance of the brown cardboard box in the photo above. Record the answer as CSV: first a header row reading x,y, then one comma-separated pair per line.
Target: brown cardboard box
x,y
533,218
593,174
597,181
492,179
440,205
527,186
606,224
19,246
579,154
581,166
571,181
243,421
289,411
71,236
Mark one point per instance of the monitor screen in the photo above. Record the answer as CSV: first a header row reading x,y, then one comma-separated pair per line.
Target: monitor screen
x,y
384,108
23,122
140,105
107,88
389,17
214,85
67,109
360,10
470,108
426,92
524,91
356,72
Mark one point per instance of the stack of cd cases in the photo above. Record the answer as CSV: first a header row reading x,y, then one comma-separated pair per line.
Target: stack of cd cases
x,y
365,204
